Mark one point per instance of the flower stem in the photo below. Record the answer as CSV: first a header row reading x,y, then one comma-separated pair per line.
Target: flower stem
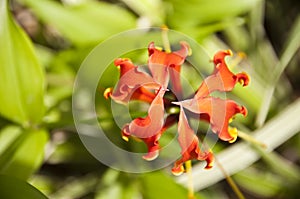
x,y
251,139
238,59
230,181
188,168
165,39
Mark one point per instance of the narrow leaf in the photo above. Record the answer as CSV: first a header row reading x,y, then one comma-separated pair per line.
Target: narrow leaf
x,y
291,47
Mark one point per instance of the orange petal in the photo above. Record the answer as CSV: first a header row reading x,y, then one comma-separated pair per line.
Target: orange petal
x,y
124,65
133,83
209,158
160,63
222,78
153,123
189,144
152,142
219,113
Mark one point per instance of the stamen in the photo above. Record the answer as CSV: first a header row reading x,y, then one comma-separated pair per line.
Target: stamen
x,y
233,132
107,93
125,138
165,38
238,59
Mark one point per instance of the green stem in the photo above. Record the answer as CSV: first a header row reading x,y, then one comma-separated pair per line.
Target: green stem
x,y
188,168
165,39
230,181
251,139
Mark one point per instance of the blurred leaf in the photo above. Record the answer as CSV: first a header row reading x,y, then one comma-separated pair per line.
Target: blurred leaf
x,y
22,80
118,191
281,166
71,151
85,23
159,185
28,155
8,136
186,14
151,9
13,188
201,32
77,187
44,54
291,47
259,183
43,182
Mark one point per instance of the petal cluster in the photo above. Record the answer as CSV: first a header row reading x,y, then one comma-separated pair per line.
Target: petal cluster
x,y
151,88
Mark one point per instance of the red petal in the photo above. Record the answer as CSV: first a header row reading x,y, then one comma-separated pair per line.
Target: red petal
x,y
124,65
189,144
152,141
133,83
222,78
219,113
153,123
153,147
209,157
159,63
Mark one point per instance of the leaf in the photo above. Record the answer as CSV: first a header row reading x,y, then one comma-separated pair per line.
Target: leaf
x,y
159,185
259,183
78,187
8,136
194,12
151,9
291,47
27,154
22,79
85,23
11,187
277,163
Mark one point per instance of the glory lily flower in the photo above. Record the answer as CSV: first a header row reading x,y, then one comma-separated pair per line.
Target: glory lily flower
x,y
165,70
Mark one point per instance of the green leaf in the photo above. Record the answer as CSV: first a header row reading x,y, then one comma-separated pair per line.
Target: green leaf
x,y
85,23
11,188
153,10
260,183
27,154
192,13
22,79
78,187
8,136
117,185
159,185
291,47
281,166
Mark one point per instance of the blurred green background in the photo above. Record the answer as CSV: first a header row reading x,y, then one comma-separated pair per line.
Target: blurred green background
x,y
42,45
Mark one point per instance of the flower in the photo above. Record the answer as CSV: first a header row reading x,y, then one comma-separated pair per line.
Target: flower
x,y
165,70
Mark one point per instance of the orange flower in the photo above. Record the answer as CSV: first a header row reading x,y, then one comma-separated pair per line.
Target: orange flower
x,y
165,70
